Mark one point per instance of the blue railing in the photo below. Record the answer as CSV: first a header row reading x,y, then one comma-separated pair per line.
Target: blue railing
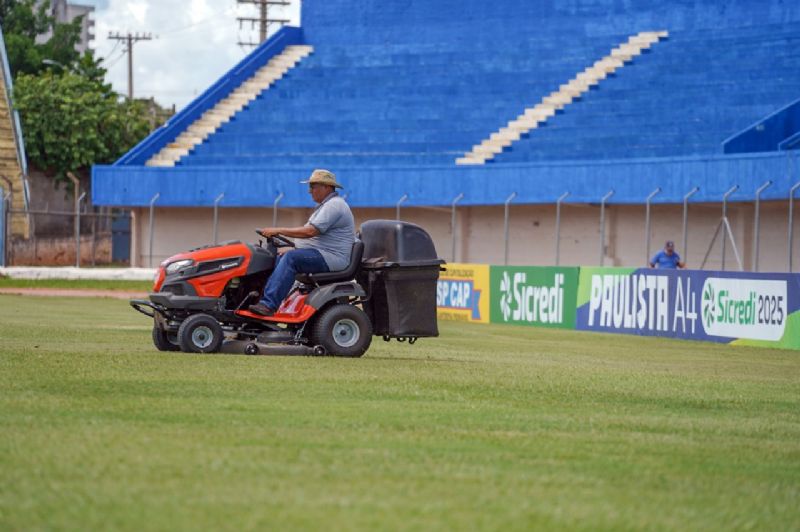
x,y
792,143
20,143
154,142
768,134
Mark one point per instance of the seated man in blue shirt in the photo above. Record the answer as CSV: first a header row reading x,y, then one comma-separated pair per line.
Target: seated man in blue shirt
x,y
667,258
323,244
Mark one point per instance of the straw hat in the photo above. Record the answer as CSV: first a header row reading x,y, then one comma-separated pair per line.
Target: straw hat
x,y
322,177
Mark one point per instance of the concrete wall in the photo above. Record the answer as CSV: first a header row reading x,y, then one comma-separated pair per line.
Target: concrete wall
x,y
479,232
49,195
55,251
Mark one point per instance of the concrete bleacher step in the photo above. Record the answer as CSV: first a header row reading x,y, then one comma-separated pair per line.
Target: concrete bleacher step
x,y
322,159
7,141
227,107
10,166
534,116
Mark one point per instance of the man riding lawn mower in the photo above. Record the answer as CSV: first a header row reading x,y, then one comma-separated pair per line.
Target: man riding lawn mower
x,y
209,297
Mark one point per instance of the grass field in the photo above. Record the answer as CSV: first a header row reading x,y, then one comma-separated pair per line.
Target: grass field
x,y
486,427
134,286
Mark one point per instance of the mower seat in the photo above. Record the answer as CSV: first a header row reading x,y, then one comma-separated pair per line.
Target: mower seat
x,y
348,274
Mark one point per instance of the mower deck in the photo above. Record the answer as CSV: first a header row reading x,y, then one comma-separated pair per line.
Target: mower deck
x,y
249,347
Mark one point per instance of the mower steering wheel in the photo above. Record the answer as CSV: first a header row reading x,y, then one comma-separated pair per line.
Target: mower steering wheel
x,y
277,240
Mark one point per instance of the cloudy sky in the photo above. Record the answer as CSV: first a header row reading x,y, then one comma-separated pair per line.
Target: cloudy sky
x,y
195,42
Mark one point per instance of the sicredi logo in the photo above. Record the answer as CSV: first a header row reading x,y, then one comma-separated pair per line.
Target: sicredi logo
x,y
744,308
520,301
507,297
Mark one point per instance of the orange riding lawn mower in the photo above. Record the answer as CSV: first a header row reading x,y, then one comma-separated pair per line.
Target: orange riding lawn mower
x,y
200,298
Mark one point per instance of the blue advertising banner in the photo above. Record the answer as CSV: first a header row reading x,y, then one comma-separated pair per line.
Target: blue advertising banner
x,y
743,308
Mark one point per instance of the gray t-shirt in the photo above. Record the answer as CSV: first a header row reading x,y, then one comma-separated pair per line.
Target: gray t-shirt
x,y
337,232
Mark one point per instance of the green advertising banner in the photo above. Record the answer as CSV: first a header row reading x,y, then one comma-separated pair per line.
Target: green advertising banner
x,y
537,296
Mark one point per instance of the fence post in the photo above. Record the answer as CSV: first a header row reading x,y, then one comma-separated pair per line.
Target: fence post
x,y
94,235
505,226
78,201
603,226
558,226
647,225
453,222
2,227
216,215
791,221
685,249
278,199
725,217
152,216
76,186
758,221
397,206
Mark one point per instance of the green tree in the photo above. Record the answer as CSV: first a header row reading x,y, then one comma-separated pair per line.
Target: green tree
x,y
22,22
71,118
71,122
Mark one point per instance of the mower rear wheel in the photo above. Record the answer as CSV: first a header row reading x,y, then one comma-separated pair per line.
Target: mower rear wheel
x,y
343,330
200,333
161,340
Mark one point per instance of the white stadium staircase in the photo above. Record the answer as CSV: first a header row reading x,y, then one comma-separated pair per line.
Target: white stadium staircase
x,y
535,116
10,165
212,119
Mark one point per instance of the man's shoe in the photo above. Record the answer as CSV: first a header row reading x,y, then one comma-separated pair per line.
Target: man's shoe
x,y
261,310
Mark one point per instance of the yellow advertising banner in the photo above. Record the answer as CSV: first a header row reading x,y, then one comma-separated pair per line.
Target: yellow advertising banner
x,y
462,293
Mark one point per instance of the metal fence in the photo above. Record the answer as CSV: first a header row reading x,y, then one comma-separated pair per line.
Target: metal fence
x,y
723,228
86,234
84,237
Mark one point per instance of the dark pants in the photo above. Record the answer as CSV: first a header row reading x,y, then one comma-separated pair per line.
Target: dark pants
x,y
288,265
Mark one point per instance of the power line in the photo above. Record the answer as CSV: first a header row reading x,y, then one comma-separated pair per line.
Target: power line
x,y
115,61
131,39
114,49
263,20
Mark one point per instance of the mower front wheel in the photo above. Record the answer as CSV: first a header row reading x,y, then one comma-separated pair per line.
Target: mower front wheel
x,y
161,339
200,333
343,330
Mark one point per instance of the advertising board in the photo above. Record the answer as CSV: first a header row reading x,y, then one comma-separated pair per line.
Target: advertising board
x,y
744,308
538,296
462,293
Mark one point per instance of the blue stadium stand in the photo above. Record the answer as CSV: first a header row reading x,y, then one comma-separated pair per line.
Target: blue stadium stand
x,y
392,94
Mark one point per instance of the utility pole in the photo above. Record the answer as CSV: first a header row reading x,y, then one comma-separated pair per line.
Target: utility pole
x,y
131,39
263,19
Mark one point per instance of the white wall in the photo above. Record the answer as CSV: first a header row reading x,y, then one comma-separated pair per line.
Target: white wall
x,y
480,236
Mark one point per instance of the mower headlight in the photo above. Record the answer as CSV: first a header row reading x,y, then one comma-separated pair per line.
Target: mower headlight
x,y
178,264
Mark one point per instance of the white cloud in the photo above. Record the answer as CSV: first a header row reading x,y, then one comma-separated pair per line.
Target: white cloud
x,y
137,10
193,44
